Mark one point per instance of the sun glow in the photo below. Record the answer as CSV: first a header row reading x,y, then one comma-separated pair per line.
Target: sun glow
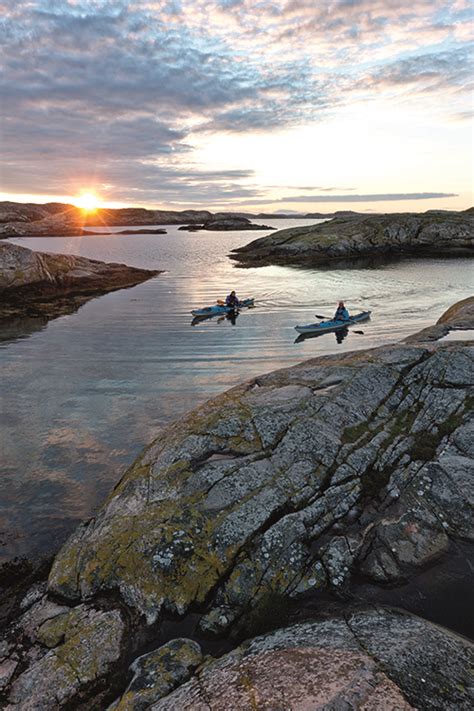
x,y
89,202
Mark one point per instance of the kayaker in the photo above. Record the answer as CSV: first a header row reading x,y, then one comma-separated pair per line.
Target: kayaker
x,y
342,314
232,300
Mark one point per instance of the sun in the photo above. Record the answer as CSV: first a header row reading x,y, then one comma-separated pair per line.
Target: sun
x,y
89,202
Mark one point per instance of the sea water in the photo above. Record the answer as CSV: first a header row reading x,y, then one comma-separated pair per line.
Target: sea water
x,y
82,394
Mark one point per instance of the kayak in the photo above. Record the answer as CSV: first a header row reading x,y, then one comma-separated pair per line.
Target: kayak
x,y
220,309
331,326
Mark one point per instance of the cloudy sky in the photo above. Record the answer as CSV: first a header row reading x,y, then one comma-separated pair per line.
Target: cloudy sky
x,y
241,104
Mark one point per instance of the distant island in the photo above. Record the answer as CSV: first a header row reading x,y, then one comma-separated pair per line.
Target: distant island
x,y
60,219
436,232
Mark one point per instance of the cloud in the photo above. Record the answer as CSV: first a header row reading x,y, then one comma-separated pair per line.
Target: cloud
x,y
121,91
431,72
380,197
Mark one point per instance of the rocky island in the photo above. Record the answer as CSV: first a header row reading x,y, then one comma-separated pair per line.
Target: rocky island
x,y
226,225
59,219
438,233
338,479
62,220
43,284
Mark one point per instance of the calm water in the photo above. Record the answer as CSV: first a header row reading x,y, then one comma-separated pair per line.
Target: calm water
x,y
83,394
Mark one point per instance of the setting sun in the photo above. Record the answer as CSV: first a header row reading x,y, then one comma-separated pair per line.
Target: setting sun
x,y
88,202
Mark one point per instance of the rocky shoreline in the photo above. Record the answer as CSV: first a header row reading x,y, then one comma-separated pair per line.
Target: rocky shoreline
x,y
294,486
61,220
39,284
360,236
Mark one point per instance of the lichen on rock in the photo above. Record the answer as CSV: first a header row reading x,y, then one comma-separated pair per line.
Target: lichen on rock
x,y
369,659
81,647
248,494
157,673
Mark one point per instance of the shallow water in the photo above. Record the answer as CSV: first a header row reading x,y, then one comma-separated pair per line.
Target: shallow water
x,y
465,335
82,394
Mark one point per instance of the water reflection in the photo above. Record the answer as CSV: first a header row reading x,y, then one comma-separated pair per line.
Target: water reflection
x,y
85,392
340,335
18,328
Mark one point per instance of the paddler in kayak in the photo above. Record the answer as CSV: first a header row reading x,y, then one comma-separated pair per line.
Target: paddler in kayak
x,y
232,301
342,314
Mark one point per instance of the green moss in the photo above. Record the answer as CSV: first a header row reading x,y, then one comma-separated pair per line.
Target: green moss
x,y
52,632
403,423
426,443
352,434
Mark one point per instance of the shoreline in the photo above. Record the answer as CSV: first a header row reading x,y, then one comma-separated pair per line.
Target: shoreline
x,y
273,504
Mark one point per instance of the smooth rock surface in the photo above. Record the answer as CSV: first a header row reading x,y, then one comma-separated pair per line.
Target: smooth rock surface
x,y
355,236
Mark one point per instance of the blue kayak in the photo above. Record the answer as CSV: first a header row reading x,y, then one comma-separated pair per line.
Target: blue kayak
x,y
331,326
220,309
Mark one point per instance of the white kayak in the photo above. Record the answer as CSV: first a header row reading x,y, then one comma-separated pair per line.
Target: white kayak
x,y
332,325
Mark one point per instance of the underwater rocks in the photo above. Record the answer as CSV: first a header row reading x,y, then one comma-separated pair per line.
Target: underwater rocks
x,y
43,284
362,236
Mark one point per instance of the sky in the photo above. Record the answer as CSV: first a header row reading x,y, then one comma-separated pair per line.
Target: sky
x,y
256,105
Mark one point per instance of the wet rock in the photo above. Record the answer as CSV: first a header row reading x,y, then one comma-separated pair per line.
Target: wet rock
x,y
356,236
39,284
373,659
458,317
157,673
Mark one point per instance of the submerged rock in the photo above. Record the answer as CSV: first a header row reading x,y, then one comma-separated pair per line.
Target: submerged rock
x,y
43,284
355,236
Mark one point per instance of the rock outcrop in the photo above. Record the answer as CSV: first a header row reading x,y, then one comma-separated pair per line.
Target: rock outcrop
x,y
352,464
362,236
371,660
56,219
226,225
42,284
292,486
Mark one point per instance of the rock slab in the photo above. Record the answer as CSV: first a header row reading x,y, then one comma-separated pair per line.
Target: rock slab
x,y
362,236
38,283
